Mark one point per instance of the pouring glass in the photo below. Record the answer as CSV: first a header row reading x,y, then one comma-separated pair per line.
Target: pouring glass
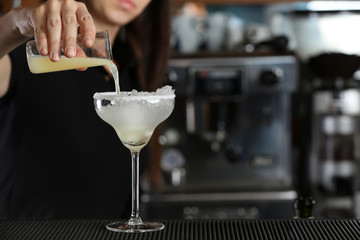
x,y
97,55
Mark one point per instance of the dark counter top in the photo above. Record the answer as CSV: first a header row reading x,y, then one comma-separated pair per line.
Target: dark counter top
x,y
287,229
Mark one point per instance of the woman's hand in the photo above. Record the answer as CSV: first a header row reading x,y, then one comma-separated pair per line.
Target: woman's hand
x,y
54,23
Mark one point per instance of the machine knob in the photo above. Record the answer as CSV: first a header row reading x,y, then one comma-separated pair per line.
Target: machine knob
x,y
173,76
234,153
272,76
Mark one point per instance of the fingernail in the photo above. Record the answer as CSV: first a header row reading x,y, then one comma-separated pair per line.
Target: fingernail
x,y
43,51
55,56
88,41
70,51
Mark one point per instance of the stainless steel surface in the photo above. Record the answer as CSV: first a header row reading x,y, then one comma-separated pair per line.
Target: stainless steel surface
x,y
221,197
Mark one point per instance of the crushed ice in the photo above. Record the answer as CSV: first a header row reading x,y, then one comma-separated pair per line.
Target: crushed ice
x,y
164,92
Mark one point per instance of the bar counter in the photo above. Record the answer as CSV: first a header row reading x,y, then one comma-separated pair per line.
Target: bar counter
x,y
283,229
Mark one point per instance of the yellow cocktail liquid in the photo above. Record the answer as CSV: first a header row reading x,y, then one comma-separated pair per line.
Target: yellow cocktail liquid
x,y
42,64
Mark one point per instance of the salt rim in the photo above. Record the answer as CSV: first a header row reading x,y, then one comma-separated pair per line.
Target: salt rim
x,y
165,92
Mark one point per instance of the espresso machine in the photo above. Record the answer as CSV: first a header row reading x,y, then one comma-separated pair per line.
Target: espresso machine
x,y
227,146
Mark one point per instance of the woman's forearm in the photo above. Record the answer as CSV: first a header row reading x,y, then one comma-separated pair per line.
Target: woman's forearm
x,y
10,32
5,70
11,36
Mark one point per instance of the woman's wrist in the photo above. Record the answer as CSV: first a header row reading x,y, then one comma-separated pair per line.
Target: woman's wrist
x,y
15,30
22,19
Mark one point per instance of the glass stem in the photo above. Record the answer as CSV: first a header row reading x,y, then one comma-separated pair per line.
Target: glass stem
x,y
135,217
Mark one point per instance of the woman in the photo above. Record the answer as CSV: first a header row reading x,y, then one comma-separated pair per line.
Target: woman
x,y
58,159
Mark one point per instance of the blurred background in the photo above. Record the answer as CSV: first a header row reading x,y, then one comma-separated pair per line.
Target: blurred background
x,y
266,121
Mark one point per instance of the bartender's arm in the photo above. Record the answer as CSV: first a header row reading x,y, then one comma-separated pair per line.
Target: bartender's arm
x,y
48,22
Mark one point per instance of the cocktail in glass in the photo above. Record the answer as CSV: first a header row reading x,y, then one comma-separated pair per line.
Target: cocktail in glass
x,y
134,116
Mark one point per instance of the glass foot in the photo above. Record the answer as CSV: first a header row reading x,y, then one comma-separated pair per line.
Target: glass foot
x,y
144,227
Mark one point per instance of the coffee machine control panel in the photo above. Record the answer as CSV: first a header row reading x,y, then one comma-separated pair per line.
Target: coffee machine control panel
x,y
216,81
233,77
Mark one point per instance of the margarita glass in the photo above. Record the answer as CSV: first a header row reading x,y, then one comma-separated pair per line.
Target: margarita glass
x,y
134,116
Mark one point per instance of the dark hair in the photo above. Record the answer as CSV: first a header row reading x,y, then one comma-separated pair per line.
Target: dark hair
x,y
149,35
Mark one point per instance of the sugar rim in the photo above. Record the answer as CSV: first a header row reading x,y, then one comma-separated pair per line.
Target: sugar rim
x,y
127,96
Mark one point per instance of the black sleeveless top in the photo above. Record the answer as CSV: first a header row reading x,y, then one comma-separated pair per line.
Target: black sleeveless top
x,y
58,159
